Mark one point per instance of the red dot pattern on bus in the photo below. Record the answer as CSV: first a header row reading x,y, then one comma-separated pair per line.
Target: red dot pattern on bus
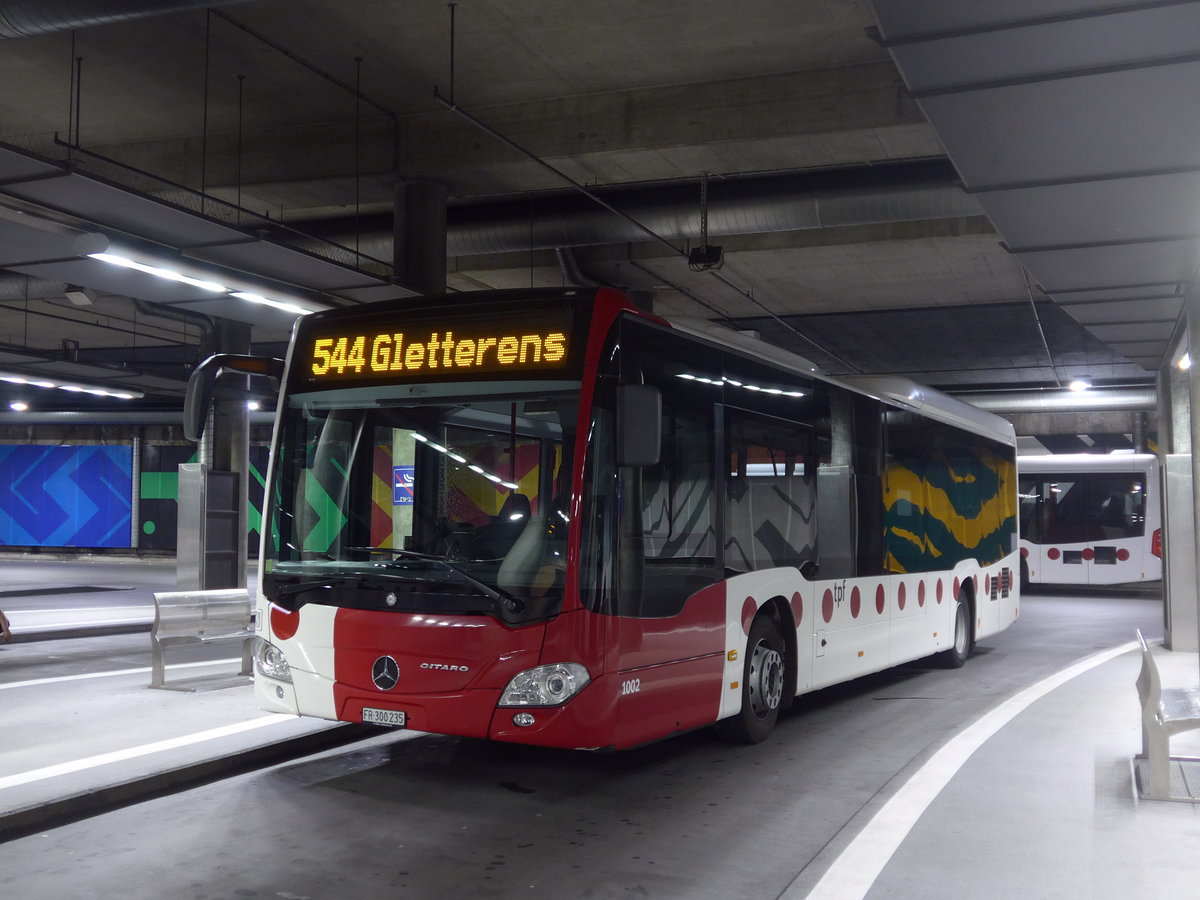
x,y
828,607
283,622
1053,553
1122,554
749,609
1089,554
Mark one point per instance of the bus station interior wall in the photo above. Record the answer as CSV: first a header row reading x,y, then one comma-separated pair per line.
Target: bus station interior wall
x,y
55,480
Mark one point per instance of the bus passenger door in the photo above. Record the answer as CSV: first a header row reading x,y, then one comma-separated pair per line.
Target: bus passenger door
x,y
671,607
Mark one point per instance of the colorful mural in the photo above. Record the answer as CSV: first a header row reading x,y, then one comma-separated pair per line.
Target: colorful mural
x,y
65,496
940,509
158,503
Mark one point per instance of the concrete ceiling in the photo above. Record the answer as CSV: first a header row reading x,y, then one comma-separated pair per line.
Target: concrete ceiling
x,y
978,199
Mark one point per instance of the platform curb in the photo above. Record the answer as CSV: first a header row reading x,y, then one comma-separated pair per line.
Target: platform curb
x,y
85,804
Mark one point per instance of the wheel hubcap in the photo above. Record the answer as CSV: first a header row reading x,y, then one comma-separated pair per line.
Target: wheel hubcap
x,y
766,678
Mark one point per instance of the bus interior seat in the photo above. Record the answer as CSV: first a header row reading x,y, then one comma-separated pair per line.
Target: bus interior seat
x,y
530,567
497,537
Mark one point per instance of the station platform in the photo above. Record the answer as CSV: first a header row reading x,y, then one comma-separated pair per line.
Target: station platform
x,y
1043,806
83,732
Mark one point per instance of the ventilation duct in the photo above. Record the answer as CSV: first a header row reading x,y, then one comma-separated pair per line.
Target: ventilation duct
x,y
22,19
1112,399
744,204
18,287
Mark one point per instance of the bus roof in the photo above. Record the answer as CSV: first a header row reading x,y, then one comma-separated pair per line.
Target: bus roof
x,y
899,391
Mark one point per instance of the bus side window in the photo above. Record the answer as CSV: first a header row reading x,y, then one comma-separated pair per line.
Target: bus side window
x,y
770,495
676,500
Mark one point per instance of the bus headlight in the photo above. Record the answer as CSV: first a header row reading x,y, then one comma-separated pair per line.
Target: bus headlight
x,y
550,685
270,662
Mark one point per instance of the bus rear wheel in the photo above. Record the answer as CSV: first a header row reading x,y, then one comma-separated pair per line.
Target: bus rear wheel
x,y
763,678
963,638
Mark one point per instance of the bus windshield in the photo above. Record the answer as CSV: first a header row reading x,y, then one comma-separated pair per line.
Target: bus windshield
x,y
454,500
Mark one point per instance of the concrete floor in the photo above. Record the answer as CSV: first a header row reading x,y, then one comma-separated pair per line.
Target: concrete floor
x,y
1044,808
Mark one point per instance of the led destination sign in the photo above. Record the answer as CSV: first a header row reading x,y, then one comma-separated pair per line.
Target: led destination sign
x,y
430,350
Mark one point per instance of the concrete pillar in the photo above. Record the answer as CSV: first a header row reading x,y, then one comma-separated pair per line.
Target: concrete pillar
x,y
1193,378
1178,394
419,246
224,448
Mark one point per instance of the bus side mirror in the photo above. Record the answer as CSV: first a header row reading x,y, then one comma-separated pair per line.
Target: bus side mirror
x,y
639,425
203,382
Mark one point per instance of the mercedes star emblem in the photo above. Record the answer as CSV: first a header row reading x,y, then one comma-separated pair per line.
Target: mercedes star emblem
x,y
385,673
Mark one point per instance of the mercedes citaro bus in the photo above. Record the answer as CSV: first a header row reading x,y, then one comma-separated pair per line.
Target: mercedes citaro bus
x,y
553,518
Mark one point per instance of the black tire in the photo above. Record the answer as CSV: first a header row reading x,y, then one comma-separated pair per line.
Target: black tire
x,y
763,678
964,637
1024,576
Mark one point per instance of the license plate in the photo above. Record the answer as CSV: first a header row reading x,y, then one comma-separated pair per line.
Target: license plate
x,y
393,717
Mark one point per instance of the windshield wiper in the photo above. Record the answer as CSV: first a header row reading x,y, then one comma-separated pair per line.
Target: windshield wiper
x,y
508,602
299,587
395,551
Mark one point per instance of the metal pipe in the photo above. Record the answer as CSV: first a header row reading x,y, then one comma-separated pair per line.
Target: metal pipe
x,y
206,325
666,211
1041,331
130,417
595,198
22,18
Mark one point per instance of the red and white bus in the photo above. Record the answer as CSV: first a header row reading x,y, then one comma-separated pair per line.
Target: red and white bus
x,y
1090,519
553,518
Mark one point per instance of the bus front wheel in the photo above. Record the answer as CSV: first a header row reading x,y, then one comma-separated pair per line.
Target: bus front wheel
x,y
763,679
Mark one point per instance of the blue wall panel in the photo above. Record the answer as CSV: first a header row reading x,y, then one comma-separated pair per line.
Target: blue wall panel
x,y
65,496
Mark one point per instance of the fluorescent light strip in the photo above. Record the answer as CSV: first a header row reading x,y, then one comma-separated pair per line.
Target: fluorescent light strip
x,y
286,306
96,390
171,275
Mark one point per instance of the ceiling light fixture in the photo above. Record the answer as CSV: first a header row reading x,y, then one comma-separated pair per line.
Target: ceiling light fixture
x,y
1185,361
80,296
18,406
169,274
74,387
285,305
296,307
1079,384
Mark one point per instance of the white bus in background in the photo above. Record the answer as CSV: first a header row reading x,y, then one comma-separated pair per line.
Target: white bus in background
x,y
1090,519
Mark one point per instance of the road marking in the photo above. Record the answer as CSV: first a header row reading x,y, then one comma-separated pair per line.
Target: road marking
x,y
61,678
142,607
858,866
104,759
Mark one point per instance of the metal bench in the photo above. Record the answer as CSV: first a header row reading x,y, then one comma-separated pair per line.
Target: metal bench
x,y
1165,711
204,617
